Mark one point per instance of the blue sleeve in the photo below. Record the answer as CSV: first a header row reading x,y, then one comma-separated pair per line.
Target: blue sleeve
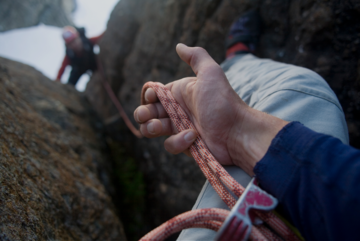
x,y
316,179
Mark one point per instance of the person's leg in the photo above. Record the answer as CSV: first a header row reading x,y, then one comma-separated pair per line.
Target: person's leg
x,y
74,77
289,92
244,34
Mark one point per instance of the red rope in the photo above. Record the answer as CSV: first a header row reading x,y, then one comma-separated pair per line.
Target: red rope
x,y
116,102
203,218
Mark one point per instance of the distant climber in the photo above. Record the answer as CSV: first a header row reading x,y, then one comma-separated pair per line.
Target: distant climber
x,y
79,53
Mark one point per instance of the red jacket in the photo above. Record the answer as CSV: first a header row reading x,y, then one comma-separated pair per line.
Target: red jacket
x,y
66,60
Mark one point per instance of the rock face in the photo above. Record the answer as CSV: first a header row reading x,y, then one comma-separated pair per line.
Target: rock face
x,y
139,46
53,171
21,14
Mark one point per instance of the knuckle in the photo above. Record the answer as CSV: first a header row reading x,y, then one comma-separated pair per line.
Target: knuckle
x,y
143,130
173,145
158,110
169,146
199,49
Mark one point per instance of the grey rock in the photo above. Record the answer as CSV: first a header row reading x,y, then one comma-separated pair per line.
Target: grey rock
x,y
20,14
54,175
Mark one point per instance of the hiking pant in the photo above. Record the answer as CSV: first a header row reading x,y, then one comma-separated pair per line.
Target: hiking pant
x,y
286,91
75,75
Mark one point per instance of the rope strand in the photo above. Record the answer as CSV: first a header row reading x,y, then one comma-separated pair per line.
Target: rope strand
x,y
116,102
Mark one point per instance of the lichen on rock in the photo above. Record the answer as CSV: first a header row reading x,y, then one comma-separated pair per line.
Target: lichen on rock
x,y
54,175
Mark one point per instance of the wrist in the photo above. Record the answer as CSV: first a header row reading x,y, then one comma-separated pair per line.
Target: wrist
x,y
251,137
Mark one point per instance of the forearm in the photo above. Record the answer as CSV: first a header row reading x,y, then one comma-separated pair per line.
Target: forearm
x,y
60,73
65,62
251,138
95,40
315,177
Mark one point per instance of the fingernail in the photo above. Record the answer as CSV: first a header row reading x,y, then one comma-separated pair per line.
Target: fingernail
x,y
150,128
182,44
146,99
190,136
136,116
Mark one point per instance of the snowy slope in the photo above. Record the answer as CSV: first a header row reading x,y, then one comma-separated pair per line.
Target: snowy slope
x,y
42,46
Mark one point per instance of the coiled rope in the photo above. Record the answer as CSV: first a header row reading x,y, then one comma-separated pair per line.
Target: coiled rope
x,y
218,177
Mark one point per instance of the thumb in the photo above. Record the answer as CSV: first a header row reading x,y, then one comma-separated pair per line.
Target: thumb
x,y
198,58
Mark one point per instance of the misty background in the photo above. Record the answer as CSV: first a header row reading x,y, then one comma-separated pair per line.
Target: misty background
x,y
42,46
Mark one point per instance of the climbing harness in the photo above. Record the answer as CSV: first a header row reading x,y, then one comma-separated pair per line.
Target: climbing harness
x,y
116,102
247,217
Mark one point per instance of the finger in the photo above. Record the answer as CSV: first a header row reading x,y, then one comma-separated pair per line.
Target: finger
x,y
198,58
145,113
150,96
157,127
188,153
180,142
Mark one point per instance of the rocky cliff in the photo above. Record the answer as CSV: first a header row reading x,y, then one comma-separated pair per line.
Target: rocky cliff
x,y
21,14
55,177
139,46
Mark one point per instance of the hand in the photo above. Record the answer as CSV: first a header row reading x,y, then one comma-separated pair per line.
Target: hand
x,y
209,101
232,131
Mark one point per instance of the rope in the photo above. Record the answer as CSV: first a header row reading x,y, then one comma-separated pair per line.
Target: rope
x,y
218,177
116,102
199,218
